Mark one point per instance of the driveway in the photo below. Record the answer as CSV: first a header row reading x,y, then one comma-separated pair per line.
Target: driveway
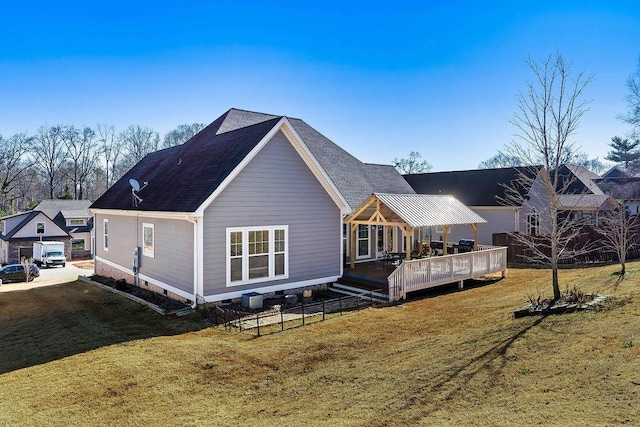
x,y
53,276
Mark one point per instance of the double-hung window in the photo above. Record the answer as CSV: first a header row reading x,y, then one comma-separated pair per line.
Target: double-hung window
x,y
256,254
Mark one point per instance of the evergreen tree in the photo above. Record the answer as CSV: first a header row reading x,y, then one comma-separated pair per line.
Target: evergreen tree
x,y
625,151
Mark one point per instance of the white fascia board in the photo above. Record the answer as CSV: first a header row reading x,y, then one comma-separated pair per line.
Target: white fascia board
x,y
149,214
284,125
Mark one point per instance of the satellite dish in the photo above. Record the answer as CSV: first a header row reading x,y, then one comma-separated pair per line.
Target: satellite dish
x,y
134,184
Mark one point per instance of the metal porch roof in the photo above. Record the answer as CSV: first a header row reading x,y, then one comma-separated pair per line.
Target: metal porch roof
x,y
425,210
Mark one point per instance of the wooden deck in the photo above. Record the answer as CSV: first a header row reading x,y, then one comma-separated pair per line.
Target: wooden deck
x,y
426,273
371,276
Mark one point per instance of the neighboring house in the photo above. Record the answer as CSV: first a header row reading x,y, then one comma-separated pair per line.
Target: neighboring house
x,y
253,202
20,231
483,191
580,197
622,185
74,217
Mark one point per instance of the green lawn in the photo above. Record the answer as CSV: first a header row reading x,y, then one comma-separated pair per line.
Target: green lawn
x,y
76,355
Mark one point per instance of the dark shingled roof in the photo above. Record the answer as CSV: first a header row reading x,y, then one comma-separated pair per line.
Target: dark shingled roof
x,y
481,187
356,181
181,178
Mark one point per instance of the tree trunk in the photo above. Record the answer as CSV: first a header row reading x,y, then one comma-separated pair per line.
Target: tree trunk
x,y
556,283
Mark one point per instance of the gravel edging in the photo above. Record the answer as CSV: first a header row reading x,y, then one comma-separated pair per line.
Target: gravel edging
x,y
135,298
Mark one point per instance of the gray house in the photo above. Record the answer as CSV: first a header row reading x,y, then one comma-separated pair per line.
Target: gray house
x,y
254,202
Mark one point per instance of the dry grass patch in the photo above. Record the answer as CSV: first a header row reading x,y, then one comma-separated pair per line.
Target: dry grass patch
x,y
458,359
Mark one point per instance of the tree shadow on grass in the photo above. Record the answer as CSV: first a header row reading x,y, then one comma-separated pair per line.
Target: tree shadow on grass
x,y
454,381
45,324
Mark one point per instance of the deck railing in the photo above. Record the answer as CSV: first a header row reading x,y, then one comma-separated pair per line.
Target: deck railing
x,y
426,273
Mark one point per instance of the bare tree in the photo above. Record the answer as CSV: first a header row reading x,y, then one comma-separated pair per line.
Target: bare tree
x,y
505,160
138,141
500,160
111,151
81,153
181,134
412,164
633,100
48,152
26,263
548,114
13,165
618,229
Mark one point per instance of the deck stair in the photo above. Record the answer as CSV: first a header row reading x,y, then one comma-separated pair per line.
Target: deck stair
x,y
364,294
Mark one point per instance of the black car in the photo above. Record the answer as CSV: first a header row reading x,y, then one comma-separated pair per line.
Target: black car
x,y
16,273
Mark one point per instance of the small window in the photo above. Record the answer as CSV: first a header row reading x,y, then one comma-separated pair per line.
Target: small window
x,y
77,221
148,238
77,245
40,227
105,234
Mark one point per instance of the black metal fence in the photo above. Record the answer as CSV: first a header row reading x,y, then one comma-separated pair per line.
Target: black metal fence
x,y
280,318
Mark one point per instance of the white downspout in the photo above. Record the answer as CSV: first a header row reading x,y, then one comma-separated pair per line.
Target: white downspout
x,y
195,260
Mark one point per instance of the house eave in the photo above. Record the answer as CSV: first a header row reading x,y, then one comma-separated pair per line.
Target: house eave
x,y
150,214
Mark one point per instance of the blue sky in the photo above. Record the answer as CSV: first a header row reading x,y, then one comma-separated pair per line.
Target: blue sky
x,y
380,79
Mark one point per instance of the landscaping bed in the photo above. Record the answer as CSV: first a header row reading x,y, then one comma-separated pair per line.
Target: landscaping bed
x,y
164,303
570,301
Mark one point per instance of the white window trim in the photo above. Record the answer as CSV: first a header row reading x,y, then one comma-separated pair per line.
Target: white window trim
x,y
359,239
84,242
43,227
245,254
534,217
145,252
105,236
82,222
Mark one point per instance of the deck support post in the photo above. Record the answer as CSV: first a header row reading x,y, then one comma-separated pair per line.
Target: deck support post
x,y
461,284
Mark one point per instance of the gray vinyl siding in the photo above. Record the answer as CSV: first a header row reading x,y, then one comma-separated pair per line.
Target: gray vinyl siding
x,y
173,247
275,188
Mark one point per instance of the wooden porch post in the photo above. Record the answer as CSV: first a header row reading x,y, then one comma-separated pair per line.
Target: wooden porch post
x,y
407,235
445,235
352,245
474,227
